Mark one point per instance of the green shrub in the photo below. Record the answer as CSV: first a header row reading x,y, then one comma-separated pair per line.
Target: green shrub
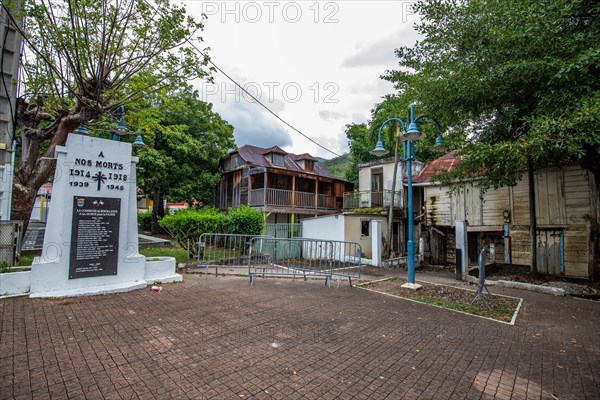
x,y
186,226
145,220
244,221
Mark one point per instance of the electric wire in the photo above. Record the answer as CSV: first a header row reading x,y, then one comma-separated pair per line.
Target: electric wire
x,y
261,103
253,97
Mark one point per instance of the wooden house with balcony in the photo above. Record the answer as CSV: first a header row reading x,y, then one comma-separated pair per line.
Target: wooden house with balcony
x,y
286,186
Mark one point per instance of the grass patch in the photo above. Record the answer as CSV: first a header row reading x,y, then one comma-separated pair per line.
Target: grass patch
x,y
449,297
158,251
27,259
177,252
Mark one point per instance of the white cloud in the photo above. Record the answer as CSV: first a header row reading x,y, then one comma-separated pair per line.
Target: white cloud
x,y
380,52
331,115
330,53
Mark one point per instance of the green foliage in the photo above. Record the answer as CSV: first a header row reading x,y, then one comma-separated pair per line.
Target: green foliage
x,y
87,58
145,221
338,166
180,254
186,226
83,54
362,138
186,141
365,210
520,77
244,220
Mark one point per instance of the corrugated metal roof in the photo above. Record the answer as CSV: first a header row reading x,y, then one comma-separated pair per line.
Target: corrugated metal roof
x,y
274,149
305,156
447,162
256,155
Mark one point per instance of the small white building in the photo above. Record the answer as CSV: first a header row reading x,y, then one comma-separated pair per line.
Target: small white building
x,y
364,229
374,197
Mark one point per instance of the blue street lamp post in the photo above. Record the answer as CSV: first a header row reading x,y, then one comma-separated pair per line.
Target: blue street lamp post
x,y
409,136
118,131
121,129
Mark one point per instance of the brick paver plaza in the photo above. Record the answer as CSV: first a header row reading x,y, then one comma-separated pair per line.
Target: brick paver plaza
x,y
219,338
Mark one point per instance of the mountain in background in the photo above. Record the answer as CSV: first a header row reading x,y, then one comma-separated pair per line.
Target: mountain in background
x,y
337,166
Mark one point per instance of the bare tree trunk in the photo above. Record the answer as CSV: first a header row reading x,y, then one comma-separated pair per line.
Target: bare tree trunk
x,y
532,217
23,200
389,242
158,211
36,168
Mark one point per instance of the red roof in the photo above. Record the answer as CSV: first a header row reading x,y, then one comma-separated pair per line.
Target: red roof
x,y
447,162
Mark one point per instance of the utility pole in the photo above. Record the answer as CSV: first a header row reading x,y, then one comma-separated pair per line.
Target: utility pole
x,y
10,42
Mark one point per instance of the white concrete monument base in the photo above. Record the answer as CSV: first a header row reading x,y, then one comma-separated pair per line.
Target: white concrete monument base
x,y
91,241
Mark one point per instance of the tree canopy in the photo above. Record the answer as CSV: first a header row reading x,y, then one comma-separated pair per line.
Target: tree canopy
x,y
185,141
520,77
86,58
363,137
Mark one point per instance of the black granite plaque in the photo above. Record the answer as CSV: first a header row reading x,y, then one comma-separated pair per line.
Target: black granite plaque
x,y
94,237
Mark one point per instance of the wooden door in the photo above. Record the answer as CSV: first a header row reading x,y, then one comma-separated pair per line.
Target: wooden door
x,y
549,255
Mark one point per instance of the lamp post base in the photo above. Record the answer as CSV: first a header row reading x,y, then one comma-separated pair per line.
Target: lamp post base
x,y
412,286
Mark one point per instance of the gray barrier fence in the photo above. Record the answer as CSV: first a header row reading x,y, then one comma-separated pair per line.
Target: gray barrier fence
x,y
266,255
220,250
304,257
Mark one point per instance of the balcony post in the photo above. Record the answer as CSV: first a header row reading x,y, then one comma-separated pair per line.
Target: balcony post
x,y
317,193
249,185
265,189
293,191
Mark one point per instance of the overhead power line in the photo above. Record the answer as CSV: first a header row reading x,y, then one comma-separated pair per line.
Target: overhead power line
x,y
263,105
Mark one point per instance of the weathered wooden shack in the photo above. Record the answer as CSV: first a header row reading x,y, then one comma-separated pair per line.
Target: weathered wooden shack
x,y
568,220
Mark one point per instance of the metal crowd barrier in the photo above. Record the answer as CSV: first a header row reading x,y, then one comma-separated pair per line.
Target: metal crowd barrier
x,y
224,250
303,257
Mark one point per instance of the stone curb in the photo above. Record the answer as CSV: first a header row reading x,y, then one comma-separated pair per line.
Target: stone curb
x,y
522,285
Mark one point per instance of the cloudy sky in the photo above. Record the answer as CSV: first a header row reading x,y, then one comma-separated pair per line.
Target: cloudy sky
x,y
316,64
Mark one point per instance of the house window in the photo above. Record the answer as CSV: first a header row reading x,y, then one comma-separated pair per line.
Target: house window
x,y
238,161
309,165
365,227
275,159
377,187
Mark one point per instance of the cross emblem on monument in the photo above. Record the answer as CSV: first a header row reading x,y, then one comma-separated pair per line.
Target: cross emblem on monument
x,y
100,178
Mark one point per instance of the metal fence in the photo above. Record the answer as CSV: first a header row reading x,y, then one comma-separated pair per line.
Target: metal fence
x,y
285,257
224,250
11,234
283,230
303,257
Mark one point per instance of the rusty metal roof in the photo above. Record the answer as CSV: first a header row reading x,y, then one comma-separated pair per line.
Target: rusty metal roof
x,y
304,156
256,156
447,162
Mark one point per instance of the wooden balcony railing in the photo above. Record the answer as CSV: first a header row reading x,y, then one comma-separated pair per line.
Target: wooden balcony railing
x,y
371,199
288,198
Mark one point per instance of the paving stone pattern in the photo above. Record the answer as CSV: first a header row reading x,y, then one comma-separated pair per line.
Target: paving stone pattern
x,y
221,339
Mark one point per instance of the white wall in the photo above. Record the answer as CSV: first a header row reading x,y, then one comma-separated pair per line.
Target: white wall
x,y
329,227
341,227
364,176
